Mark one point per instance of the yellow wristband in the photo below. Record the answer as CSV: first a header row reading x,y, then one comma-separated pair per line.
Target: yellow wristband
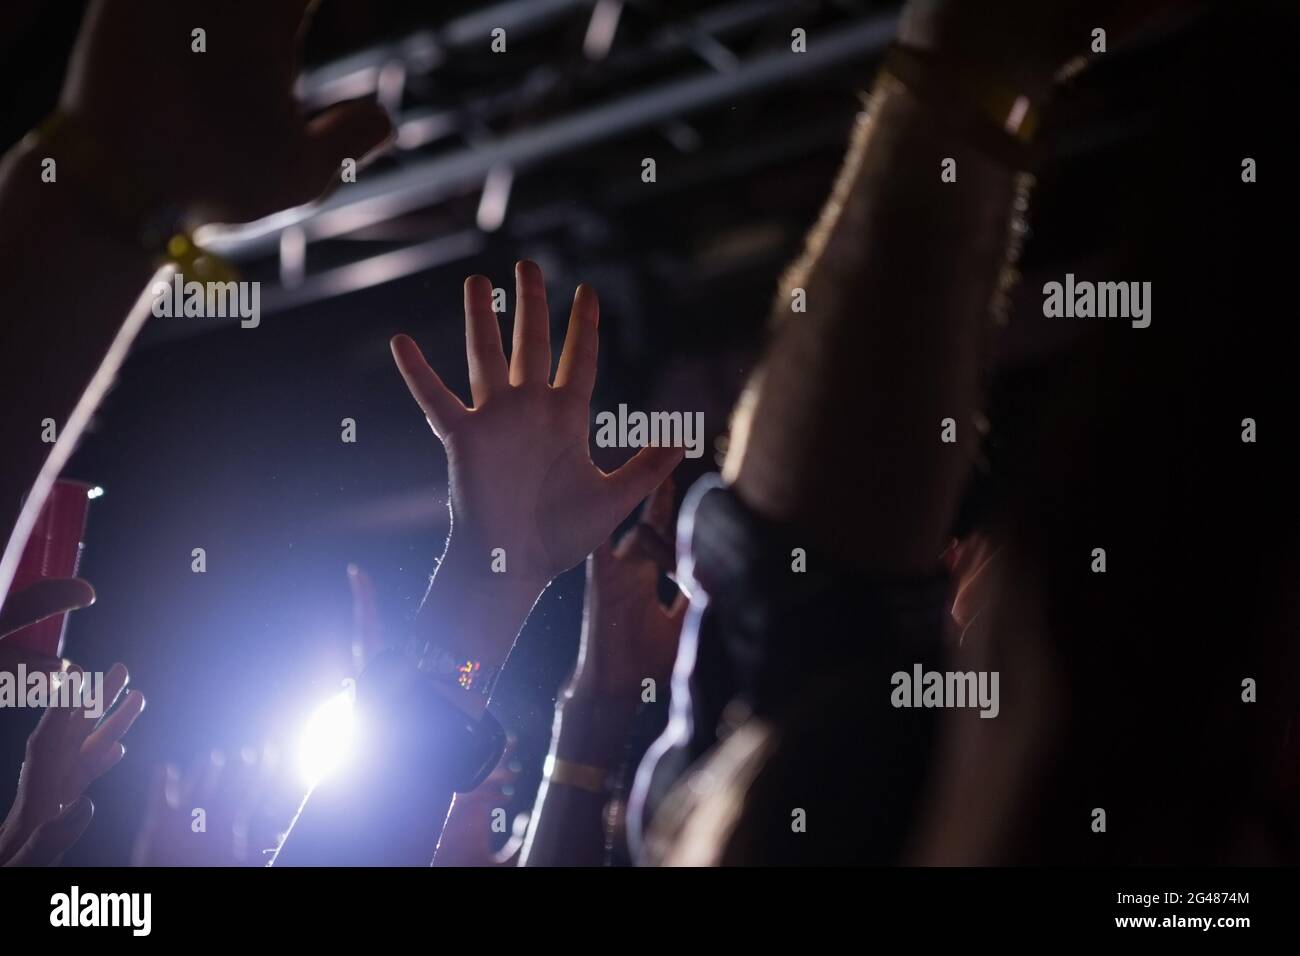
x,y
580,775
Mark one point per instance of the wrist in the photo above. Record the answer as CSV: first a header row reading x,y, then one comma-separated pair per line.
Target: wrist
x,y
593,729
588,693
473,611
470,567
127,198
1000,57
999,119
124,190
587,701
474,560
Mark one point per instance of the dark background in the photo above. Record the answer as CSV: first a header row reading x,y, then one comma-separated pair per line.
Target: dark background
x,y
229,439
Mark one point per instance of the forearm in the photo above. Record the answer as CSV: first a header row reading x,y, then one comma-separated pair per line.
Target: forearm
x,y
898,275
474,614
67,283
567,827
388,812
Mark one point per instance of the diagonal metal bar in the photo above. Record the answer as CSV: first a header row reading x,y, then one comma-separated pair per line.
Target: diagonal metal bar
x,y
379,197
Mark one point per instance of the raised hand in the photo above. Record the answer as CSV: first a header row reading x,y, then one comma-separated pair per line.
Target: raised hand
x,y
521,473
244,810
627,634
66,752
219,132
627,637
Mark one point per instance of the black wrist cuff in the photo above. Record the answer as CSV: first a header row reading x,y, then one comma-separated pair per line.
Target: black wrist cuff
x,y
401,702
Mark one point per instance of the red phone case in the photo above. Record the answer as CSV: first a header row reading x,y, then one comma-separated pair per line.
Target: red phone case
x,y
52,551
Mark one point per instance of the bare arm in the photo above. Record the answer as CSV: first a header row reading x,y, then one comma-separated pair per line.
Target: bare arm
x,y
67,281
898,275
212,136
527,503
628,636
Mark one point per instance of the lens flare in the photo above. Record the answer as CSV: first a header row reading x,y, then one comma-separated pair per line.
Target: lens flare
x,y
327,738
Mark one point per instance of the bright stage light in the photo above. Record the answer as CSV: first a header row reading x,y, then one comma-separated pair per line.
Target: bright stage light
x,y
327,738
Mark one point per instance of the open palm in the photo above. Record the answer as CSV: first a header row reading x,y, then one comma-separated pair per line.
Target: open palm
x,y
521,473
67,751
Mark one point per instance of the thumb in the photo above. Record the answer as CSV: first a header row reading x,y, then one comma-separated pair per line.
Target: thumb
x,y
351,130
44,599
52,838
640,476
